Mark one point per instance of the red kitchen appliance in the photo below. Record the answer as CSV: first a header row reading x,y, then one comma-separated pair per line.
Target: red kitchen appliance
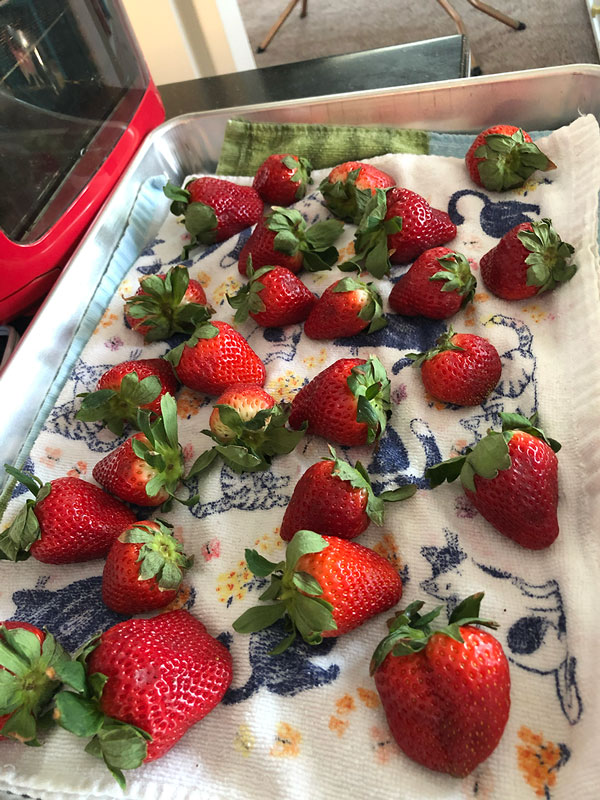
x,y
76,100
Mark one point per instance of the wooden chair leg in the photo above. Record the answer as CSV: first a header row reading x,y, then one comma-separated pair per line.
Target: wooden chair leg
x,y
460,25
493,12
269,37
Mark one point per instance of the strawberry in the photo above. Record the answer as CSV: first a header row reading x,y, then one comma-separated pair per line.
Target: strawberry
x,y
143,569
215,357
141,685
282,238
348,402
511,477
349,186
445,691
166,304
326,587
345,308
437,285
462,368
273,297
503,157
333,497
69,520
214,209
282,179
528,260
31,662
249,428
125,388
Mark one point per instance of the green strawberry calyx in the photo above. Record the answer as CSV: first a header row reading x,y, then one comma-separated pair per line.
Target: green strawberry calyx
x,y
16,540
200,219
410,632
508,161
457,276
294,595
548,256
344,199
489,456
371,251
443,344
115,407
161,308
301,173
370,384
247,300
358,478
372,310
314,242
161,555
30,676
206,330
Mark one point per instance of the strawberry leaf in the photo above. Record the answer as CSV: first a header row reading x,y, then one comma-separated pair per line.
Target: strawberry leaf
x,y
259,565
302,543
307,584
259,617
486,459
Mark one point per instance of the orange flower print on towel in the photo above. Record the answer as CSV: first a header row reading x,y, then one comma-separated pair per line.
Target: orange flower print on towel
x,y
79,470
346,705
244,740
108,319
189,403
287,741
540,760
285,386
51,456
230,286
384,745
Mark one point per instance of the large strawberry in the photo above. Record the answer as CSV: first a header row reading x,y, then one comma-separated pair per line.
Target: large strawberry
x,y
345,308
511,477
69,520
283,239
333,497
326,587
349,186
214,209
462,368
437,285
503,157
167,304
141,685
529,259
273,297
348,402
125,388
143,569
282,179
215,357
445,691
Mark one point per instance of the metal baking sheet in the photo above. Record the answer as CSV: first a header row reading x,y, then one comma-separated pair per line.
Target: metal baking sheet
x,y
534,99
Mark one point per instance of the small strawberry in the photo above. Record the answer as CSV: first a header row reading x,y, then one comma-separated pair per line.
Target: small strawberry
x,y
283,238
445,691
348,402
273,297
282,179
215,357
511,477
141,685
333,497
326,587
125,388
349,186
528,260
462,368
69,520
214,209
503,157
437,285
143,569
249,428
345,308
167,304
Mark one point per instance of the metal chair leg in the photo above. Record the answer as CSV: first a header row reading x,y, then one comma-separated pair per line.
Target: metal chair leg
x,y
493,12
460,25
268,38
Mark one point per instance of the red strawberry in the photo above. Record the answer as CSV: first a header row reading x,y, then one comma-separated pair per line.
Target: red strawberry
x,y
528,260
282,179
30,676
161,676
350,185
348,402
511,477
332,497
215,357
326,587
143,569
214,209
125,388
437,285
462,368
273,297
167,304
345,308
503,157
423,227
69,520
445,692
282,238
